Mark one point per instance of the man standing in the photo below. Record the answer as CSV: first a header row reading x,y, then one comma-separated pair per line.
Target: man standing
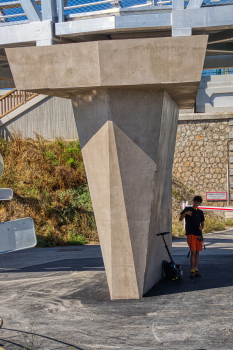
x,y
194,224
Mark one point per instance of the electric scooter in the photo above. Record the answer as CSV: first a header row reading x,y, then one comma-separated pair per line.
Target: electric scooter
x,y
171,270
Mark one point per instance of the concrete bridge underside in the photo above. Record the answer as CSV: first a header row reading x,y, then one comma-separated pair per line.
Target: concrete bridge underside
x,y
126,96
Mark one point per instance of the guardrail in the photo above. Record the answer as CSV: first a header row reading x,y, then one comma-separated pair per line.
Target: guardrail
x,y
14,99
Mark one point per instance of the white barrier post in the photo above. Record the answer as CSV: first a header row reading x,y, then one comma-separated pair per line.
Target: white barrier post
x,y
183,206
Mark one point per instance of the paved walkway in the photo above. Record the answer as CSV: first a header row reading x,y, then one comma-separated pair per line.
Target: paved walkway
x,y
58,299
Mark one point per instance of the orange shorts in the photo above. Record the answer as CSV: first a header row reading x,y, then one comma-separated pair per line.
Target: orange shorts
x,y
194,243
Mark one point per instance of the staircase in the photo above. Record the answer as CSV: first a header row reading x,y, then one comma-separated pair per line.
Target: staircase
x,y
14,99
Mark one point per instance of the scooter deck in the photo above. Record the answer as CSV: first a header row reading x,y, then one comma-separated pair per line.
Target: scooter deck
x,y
16,235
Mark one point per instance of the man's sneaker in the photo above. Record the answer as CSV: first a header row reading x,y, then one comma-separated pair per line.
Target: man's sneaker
x,y
192,274
197,274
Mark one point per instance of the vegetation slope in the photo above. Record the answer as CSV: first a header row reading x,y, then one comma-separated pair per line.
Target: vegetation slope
x,y
50,186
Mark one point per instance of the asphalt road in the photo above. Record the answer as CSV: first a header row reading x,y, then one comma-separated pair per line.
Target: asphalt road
x,y
57,298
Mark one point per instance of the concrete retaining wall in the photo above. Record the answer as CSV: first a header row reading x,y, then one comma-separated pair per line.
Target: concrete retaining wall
x,y
203,150
52,118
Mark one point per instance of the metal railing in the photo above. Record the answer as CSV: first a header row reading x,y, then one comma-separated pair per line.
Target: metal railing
x,y
216,2
14,99
12,11
74,7
222,71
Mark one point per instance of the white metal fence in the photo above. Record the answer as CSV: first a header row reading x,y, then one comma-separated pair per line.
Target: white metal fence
x,y
12,11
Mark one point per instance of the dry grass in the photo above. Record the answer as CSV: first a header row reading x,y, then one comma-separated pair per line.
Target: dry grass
x,y
49,184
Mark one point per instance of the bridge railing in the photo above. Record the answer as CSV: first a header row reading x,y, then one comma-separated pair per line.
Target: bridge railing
x,y
76,7
14,99
11,11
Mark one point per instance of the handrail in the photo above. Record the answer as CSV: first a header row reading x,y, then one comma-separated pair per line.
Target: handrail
x,y
14,99
10,4
7,94
13,4
15,15
101,2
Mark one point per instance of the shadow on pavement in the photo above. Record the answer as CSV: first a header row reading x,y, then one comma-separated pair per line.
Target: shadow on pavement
x,y
215,266
212,276
83,264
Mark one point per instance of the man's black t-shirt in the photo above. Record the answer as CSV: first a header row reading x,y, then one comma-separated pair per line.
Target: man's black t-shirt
x,y
193,222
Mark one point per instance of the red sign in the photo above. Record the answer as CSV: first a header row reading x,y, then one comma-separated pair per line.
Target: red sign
x,y
216,196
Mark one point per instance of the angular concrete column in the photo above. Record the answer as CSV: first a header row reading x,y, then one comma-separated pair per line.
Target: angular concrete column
x,y
126,96
128,138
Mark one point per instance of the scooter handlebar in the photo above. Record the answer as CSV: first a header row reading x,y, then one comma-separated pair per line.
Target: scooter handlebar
x,y
163,233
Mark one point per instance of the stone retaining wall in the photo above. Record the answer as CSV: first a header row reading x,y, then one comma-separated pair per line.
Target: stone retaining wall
x,y
202,153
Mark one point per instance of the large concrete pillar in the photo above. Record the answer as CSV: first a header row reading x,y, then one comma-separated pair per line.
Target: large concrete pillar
x,y
128,139
126,96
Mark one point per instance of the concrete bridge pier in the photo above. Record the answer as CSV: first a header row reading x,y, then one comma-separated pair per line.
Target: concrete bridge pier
x,y
128,138
126,96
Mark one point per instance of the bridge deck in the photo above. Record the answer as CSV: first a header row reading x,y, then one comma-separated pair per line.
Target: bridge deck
x,y
47,22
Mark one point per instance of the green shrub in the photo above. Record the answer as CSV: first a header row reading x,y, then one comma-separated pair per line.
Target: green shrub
x,y
229,222
213,223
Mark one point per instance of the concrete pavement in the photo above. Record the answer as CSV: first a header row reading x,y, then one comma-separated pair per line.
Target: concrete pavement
x,y
58,298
